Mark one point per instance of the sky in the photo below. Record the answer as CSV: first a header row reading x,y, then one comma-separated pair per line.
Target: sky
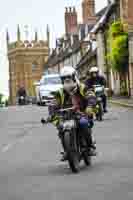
x,y
36,15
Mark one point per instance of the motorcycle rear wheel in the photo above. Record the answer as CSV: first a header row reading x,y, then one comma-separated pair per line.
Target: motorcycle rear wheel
x,y
87,158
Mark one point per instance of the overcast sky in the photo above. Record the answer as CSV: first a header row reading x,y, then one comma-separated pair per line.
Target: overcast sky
x,y
35,14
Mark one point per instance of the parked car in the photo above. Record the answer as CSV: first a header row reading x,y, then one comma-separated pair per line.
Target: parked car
x,y
48,84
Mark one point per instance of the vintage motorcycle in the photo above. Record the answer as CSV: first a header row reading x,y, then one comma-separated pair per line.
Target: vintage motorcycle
x,y
75,143
22,100
99,90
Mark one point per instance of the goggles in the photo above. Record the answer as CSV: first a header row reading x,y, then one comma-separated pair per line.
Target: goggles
x,y
63,78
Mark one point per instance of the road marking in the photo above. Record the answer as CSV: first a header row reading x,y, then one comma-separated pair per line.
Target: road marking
x,y
6,147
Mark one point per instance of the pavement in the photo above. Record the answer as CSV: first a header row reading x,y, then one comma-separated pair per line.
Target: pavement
x,y
30,167
122,101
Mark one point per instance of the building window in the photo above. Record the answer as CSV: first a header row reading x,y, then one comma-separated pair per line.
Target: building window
x,y
34,66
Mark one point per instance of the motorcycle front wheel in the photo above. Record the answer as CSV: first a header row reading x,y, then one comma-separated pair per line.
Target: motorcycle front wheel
x,y
99,115
72,154
85,154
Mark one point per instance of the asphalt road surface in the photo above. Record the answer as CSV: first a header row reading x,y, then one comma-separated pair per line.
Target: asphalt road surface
x,y
30,167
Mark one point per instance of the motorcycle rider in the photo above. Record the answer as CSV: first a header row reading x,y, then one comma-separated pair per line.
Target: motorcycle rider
x,y
73,94
21,92
96,79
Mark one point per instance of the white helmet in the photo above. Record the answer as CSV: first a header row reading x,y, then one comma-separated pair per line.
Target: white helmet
x,y
94,70
69,79
67,71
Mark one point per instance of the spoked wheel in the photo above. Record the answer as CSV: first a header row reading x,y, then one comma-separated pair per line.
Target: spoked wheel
x,y
72,155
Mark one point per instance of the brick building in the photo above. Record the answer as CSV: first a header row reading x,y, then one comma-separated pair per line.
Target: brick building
x,y
88,11
71,23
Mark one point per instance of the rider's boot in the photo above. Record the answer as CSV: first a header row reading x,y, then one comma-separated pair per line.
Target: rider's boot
x,y
64,156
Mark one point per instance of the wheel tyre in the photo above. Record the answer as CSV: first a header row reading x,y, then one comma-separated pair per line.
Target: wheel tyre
x,y
100,113
42,103
38,103
72,155
87,159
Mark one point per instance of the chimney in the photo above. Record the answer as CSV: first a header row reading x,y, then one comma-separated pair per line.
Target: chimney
x,y
88,11
71,24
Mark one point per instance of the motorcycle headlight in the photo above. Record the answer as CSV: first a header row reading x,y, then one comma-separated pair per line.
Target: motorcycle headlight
x,y
68,124
78,116
99,99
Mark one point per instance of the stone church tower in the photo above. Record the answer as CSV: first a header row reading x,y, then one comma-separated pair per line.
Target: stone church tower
x,y
26,63
88,11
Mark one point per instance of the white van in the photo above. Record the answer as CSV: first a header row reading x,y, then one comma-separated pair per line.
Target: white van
x,y
48,83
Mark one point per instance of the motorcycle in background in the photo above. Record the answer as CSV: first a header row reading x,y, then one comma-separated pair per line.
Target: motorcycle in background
x,y
21,100
99,92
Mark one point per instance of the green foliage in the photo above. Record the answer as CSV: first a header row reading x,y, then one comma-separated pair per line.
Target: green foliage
x,y
4,101
1,96
118,42
116,29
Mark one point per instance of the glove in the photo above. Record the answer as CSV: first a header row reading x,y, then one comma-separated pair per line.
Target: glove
x,y
90,123
59,126
43,121
90,112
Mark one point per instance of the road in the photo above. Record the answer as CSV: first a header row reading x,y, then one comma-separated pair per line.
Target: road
x,y
29,159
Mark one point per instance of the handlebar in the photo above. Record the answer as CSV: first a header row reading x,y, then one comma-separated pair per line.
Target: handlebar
x,y
70,113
